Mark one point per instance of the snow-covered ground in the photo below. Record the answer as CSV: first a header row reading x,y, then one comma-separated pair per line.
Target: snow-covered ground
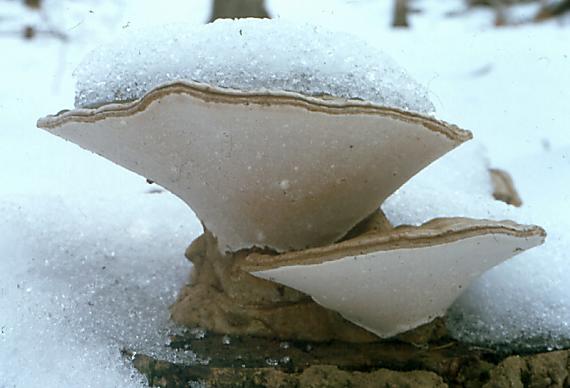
x,y
92,255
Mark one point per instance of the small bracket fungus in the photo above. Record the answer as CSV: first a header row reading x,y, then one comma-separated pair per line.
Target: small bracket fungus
x,y
288,184
392,281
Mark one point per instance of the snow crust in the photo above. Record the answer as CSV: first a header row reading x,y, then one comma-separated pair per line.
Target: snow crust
x,y
522,304
106,274
456,185
250,55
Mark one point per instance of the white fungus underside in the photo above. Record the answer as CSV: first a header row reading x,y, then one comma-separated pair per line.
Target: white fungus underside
x,y
250,55
392,291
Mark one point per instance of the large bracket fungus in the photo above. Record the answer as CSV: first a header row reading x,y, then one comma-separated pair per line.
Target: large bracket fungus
x,y
288,188
275,170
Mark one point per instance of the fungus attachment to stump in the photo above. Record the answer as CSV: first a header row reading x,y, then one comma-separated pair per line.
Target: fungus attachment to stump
x,y
287,179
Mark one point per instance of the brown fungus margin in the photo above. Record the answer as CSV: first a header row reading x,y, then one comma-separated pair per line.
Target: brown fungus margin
x,y
212,94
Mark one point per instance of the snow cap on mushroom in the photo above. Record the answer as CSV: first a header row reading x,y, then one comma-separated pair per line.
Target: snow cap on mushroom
x,y
247,55
270,146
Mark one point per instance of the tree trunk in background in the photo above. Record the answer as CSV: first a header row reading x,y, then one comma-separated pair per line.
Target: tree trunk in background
x,y
400,13
33,3
500,12
238,9
550,10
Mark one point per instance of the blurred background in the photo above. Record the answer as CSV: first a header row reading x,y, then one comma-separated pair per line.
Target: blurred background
x,y
48,18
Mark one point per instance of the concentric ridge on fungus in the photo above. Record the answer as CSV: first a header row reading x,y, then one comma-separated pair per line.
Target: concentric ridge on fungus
x,y
207,93
434,232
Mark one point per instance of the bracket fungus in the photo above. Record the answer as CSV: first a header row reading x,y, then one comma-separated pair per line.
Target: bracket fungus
x,y
287,185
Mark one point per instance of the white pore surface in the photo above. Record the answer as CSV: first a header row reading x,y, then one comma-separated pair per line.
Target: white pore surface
x,y
247,54
390,292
